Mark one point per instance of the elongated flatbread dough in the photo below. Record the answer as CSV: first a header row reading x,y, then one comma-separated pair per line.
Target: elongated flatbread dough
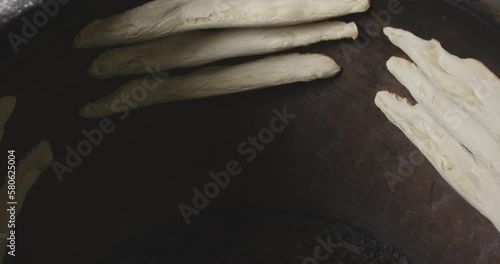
x,y
202,47
7,105
459,123
213,81
455,164
469,83
27,172
164,17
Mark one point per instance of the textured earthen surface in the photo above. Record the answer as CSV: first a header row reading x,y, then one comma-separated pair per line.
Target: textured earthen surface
x,y
254,236
331,161
10,9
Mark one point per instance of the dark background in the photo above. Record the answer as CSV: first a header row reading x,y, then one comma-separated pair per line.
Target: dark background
x,y
330,161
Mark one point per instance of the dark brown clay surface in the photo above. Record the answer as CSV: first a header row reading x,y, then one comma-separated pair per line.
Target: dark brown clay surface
x,y
331,161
